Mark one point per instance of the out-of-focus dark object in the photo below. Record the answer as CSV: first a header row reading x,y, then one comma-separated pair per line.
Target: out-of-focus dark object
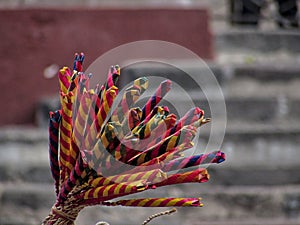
x,y
287,10
245,12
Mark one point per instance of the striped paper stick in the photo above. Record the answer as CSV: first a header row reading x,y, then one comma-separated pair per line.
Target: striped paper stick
x,y
157,202
64,76
128,99
81,118
199,175
114,190
160,92
76,177
195,160
95,128
189,118
152,176
184,135
66,159
78,61
54,123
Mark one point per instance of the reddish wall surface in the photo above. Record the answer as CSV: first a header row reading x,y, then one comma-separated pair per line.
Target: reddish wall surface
x,y
32,39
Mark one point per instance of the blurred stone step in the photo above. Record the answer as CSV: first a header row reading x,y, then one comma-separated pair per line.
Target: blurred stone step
x,y
251,109
258,40
26,135
267,73
263,80
227,174
184,72
221,203
23,203
266,153
252,92
243,101
238,108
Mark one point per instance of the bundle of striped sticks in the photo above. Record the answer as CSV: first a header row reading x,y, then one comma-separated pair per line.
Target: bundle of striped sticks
x,y
100,150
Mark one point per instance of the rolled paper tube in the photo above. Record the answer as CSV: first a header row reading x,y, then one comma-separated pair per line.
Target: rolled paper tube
x,y
112,77
123,149
81,118
160,92
99,101
74,83
101,160
96,154
67,158
169,155
184,135
161,110
132,120
158,162
128,99
81,85
188,119
195,160
78,61
130,96
157,202
152,176
191,133
199,175
177,151
111,81
158,132
108,136
54,123
90,117
95,128
64,76
141,83
201,121
113,190
146,129
134,142
76,177
115,138
88,157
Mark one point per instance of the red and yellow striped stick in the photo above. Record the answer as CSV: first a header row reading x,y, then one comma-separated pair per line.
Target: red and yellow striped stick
x,y
67,158
78,61
114,190
184,135
157,133
64,76
195,160
100,117
141,84
81,118
128,99
130,96
157,202
169,155
160,92
199,175
112,77
189,118
132,120
76,177
157,110
54,123
152,176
